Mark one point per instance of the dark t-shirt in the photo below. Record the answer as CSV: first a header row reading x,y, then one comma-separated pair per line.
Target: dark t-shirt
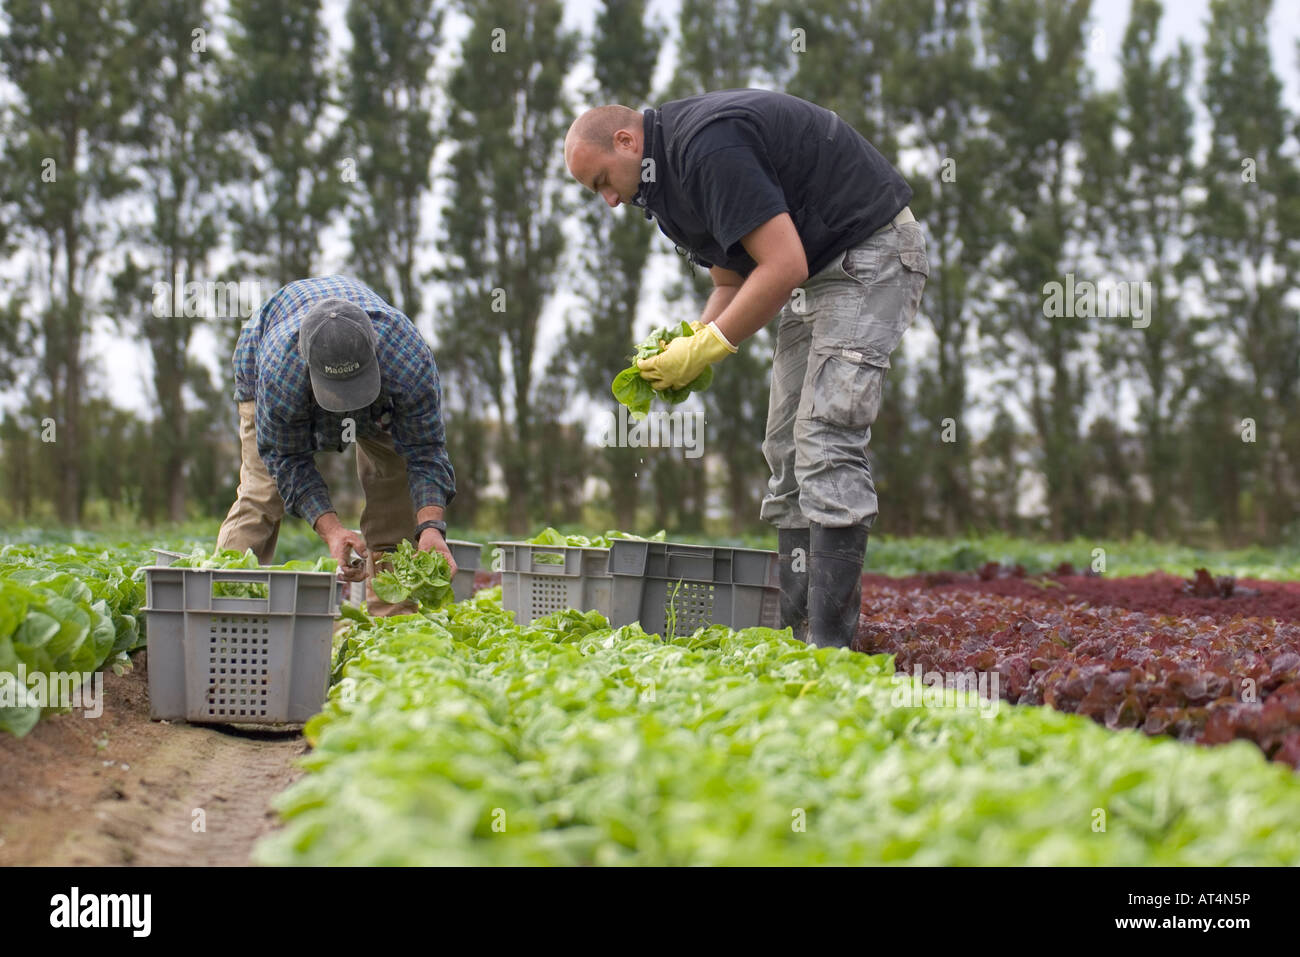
x,y
733,183
727,162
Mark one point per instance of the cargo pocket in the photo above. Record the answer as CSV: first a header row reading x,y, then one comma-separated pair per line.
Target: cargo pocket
x,y
861,263
914,259
846,387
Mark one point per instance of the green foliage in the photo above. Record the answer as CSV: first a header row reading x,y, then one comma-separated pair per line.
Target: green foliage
x,y
457,737
424,577
1123,558
64,609
133,543
390,129
230,558
636,393
550,536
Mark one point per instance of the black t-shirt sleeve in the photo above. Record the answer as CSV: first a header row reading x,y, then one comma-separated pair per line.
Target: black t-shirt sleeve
x,y
732,183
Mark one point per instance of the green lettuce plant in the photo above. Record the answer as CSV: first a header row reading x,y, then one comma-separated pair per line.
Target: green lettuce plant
x,y
424,577
636,393
458,737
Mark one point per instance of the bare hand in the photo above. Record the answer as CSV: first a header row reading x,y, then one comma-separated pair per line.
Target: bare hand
x,y
343,543
432,541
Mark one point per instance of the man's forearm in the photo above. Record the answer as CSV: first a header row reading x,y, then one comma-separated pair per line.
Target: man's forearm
x,y
327,525
719,299
753,304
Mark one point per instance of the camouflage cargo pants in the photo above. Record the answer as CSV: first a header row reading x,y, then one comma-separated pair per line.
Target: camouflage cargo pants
x,y
832,354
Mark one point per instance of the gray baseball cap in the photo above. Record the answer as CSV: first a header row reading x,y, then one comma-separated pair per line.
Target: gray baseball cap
x,y
338,341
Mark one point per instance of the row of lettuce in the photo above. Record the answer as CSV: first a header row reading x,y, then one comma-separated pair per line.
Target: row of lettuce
x,y
67,611
64,611
457,736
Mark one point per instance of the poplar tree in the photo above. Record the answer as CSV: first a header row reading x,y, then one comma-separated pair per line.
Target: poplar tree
x,y
725,45
172,136
1037,87
615,249
391,136
505,214
1136,179
277,88
63,170
1248,250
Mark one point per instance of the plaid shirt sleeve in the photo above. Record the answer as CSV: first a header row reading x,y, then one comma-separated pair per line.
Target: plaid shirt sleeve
x,y
285,439
411,379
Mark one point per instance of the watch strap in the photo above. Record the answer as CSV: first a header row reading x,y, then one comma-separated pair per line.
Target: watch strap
x,y
437,523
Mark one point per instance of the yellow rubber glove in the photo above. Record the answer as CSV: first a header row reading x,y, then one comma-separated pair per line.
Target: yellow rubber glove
x,y
685,358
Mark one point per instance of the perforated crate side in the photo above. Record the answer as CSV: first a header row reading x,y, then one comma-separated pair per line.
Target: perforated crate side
x,y
675,588
533,588
468,556
218,659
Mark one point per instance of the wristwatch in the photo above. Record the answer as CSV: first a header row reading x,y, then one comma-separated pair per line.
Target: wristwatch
x,y
437,523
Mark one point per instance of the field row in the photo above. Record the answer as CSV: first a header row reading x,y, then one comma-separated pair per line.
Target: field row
x,y
457,737
64,612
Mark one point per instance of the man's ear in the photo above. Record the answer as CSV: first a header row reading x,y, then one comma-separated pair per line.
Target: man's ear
x,y
624,139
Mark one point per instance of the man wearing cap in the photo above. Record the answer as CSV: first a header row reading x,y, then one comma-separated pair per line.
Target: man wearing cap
x,y
326,362
793,213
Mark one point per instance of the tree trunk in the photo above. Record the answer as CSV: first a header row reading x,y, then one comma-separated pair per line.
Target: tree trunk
x,y
624,486
69,429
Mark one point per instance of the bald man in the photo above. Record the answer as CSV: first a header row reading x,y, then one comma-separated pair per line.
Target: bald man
x,y
795,215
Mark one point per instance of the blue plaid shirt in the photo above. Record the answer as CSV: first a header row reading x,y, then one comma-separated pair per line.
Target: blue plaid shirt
x,y
291,426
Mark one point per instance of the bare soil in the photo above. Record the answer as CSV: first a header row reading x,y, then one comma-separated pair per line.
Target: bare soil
x,y
122,789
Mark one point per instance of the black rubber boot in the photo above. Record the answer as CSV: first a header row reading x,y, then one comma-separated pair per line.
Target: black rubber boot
x,y
835,584
793,546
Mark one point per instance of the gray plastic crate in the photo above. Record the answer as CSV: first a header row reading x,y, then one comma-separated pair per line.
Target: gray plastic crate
x,y
532,587
702,584
226,660
468,557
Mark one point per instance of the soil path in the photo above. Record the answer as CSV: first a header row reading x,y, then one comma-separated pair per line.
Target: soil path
x,y
122,789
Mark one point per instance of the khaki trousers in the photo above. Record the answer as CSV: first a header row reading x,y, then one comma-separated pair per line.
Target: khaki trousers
x,y
388,517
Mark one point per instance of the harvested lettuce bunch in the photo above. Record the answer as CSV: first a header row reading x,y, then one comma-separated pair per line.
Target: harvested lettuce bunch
x,y
637,393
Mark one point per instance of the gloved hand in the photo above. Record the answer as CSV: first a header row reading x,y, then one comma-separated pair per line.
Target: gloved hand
x,y
685,358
